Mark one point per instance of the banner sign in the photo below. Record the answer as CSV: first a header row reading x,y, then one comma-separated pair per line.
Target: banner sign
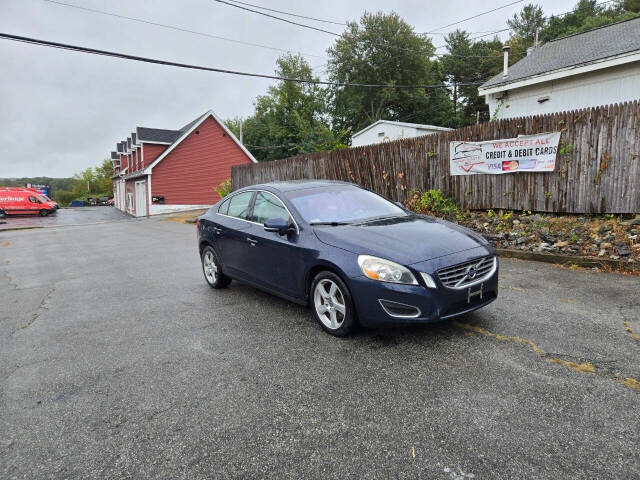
x,y
527,153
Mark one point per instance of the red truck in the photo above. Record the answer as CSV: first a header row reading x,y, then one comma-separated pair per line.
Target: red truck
x,y
25,201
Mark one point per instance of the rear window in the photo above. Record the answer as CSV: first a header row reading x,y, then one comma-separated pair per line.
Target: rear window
x,y
239,205
224,207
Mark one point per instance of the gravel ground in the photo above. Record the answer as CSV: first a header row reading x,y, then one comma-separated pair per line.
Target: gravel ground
x,y
118,361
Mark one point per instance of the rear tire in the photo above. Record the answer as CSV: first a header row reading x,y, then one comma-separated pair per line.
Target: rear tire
x,y
212,269
332,304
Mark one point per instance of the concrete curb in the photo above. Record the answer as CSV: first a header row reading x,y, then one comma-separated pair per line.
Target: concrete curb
x,y
567,260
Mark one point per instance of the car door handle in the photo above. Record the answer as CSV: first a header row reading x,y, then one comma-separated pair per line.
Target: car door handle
x,y
252,241
217,230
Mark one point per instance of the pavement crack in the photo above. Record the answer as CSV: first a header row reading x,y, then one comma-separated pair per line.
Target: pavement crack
x,y
627,323
159,412
580,365
35,315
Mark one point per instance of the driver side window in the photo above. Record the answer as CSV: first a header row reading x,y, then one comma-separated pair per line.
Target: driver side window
x,y
268,206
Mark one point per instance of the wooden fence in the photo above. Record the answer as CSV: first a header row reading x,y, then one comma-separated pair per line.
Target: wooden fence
x,y
597,169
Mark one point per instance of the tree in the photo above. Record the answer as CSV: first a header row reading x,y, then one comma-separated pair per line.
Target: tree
x,y
384,49
631,6
587,15
526,23
103,176
291,118
94,180
83,181
467,63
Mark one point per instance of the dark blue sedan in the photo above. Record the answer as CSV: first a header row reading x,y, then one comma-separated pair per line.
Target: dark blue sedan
x,y
353,256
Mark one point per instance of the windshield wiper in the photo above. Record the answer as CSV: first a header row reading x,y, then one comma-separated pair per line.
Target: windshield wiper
x,y
376,219
332,224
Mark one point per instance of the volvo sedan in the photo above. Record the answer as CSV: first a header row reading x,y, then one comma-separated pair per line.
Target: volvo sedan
x,y
353,256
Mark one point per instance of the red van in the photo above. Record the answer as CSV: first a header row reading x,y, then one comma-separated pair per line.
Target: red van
x,y
24,202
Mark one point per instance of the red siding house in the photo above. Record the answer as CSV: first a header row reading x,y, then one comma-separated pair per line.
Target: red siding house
x,y
160,171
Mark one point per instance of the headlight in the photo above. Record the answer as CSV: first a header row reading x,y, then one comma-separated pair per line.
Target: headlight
x,y
385,270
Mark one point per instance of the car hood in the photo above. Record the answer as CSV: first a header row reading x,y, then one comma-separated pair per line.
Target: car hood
x,y
405,240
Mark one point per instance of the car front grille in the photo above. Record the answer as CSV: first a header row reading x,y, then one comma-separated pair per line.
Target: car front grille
x,y
467,273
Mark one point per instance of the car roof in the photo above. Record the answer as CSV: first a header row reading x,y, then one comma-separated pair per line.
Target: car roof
x,y
291,185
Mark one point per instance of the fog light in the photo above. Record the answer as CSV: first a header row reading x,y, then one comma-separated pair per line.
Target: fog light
x,y
399,310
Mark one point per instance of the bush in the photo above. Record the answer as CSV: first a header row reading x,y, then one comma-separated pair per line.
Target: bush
x,y
434,202
224,188
63,197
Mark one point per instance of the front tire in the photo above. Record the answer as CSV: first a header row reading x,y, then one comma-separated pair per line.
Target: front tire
x,y
43,213
332,305
212,269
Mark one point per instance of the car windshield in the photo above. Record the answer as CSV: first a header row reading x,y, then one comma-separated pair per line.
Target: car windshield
x,y
343,204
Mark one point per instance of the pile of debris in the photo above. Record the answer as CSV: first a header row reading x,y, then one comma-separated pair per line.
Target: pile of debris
x,y
600,236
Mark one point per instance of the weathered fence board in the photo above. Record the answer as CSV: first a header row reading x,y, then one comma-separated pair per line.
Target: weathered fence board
x,y
597,168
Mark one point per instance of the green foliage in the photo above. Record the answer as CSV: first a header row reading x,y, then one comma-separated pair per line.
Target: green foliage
x,y
55,183
384,49
565,150
586,15
548,194
436,203
525,23
93,181
291,118
224,188
64,197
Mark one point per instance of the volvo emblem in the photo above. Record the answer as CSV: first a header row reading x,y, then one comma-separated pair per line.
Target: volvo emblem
x,y
471,273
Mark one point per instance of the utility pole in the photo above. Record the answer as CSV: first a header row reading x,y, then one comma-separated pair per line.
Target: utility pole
x,y
241,142
535,43
455,98
477,117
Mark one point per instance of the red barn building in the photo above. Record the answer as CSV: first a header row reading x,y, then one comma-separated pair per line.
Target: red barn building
x,y
160,171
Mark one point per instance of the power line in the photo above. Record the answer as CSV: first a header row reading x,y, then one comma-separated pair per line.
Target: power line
x,y
479,14
94,51
478,36
289,13
279,18
180,29
545,18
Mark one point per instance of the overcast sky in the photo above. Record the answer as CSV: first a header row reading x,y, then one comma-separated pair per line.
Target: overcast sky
x,y
62,111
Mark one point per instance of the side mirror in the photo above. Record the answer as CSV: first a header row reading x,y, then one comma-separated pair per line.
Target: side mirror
x,y
278,225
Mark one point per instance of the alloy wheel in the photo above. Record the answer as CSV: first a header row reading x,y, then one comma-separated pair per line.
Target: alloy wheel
x,y
210,268
329,304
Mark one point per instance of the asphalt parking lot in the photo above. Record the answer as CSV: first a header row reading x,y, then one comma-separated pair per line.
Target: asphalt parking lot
x,y
65,216
118,361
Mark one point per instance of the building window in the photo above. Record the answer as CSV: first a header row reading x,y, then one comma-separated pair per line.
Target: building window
x,y
380,134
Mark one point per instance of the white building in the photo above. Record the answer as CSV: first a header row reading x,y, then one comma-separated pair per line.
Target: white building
x,y
386,131
599,67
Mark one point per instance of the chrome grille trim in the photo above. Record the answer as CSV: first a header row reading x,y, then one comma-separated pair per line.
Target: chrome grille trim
x,y
457,276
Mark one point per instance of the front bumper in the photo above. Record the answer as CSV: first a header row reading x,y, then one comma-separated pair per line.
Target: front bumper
x,y
431,305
